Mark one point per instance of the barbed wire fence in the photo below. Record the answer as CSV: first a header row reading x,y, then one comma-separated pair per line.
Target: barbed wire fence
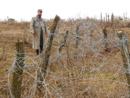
x,y
86,71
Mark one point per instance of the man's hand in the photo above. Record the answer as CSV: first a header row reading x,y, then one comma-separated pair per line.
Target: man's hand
x,y
32,33
46,34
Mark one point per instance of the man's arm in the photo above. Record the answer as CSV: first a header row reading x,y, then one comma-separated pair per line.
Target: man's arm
x,y
32,26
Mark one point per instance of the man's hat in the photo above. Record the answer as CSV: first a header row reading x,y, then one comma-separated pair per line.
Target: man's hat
x,y
39,10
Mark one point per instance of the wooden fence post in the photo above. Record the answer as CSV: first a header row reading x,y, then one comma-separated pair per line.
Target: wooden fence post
x,y
77,41
125,55
101,20
105,40
25,33
112,20
108,18
47,52
18,71
63,43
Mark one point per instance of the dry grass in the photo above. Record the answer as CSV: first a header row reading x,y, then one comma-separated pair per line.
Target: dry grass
x,y
105,81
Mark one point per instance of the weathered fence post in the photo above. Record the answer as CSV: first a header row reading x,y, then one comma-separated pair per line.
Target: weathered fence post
x,y
77,41
112,20
105,40
112,23
18,71
125,55
25,33
47,52
101,17
63,43
101,20
108,18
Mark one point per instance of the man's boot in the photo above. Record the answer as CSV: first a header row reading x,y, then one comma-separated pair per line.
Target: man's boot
x,y
37,51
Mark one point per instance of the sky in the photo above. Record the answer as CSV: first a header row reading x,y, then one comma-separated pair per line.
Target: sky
x,y
26,9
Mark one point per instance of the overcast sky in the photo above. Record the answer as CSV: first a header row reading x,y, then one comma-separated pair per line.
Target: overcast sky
x,y
26,9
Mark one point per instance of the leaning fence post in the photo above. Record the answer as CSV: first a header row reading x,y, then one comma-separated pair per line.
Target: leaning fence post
x,y
125,55
105,40
47,51
18,71
63,43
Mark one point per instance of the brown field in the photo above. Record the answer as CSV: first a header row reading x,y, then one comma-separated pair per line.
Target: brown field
x,y
93,74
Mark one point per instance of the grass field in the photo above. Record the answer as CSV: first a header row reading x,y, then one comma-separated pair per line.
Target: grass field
x,y
93,74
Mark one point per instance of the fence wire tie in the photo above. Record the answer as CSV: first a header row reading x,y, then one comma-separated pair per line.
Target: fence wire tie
x,y
26,66
40,82
86,89
66,35
127,71
51,34
18,53
123,42
44,59
62,44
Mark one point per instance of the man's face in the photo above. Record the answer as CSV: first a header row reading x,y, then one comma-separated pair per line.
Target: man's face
x,y
39,13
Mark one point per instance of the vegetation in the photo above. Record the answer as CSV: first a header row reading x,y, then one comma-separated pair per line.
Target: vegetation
x,y
94,73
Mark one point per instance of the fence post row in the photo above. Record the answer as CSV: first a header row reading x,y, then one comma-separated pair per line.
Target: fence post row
x,y
18,71
125,55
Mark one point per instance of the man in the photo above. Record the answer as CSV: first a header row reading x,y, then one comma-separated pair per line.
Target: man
x,y
39,31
